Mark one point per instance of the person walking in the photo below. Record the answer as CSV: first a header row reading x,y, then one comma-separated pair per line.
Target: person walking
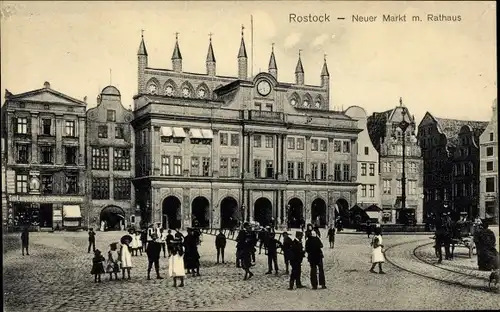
x,y
315,258
220,244
296,256
240,244
153,250
97,266
377,251
25,239
287,250
331,236
91,240
246,254
176,268
272,253
191,255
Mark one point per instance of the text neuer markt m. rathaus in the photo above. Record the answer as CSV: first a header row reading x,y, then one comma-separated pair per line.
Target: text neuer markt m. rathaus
x,y
219,149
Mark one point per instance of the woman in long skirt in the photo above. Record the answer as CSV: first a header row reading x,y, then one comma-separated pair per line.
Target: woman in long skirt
x,y
176,268
377,251
126,258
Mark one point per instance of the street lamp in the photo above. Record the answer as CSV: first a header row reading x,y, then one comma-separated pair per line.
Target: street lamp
x,y
403,125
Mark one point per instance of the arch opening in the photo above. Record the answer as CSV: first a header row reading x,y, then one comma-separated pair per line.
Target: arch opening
x,y
113,216
171,213
263,211
295,212
228,213
318,212
200,212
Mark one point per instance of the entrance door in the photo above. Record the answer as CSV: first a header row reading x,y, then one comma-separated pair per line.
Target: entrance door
x,y
46,215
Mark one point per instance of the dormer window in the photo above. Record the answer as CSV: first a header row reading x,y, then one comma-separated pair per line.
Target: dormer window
x,y
111,115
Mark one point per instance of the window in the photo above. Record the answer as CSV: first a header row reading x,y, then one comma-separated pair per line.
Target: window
x,y
46,155
363,169
22,125
323,146
314,144
46,183
337,172
387,187
300,170
269,107
206,166
102,131
489,151
491,136
23,153
408,151
257,141
100,158
257,169
70,153
111,115
269,169
100,188
121,162
46,126
412,189
291,170
490,185
165,165
235,167
446,195
177,165
337,146
489,166
258,106
314,171
235,139
346,147
290,143
372,170
399,150
387,167
119,132
399,167
363,190
323,171
224,139
70,129
372,190
413,168
195,166
21,183
72,183
121,189
223,167
300,143
347,173
269,141
366,150
399,187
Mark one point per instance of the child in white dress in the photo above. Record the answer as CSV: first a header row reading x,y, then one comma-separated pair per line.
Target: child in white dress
x,y
377,251
176,268
125,258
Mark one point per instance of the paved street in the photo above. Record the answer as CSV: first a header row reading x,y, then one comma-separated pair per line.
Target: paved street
x,y
56,276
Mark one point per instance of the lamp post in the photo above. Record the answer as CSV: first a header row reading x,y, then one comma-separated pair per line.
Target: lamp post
x,y
403,125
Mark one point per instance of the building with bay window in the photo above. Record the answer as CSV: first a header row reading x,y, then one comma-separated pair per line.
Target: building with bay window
x,y
218,149
110,163
44,132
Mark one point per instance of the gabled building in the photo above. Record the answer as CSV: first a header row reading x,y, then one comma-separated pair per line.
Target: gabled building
x,y
450,149
45,167
488,190
218,149
110,163
387,138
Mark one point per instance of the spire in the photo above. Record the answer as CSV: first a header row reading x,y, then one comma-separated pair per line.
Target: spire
x,y
243,51
210,54
142,46
324,71
177,52
272,60
299,69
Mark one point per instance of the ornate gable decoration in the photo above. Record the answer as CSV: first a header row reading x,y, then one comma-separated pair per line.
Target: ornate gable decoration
x,y
46,96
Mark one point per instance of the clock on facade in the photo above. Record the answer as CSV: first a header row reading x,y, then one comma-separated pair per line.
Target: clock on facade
x,y
264,88
169,90
152,89
186,92
201,93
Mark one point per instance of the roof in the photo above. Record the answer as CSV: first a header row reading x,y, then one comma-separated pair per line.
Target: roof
x,y
324,71
451,128
46,95
142,48
272,61
210,53
110,90
299,69
176,55
243,51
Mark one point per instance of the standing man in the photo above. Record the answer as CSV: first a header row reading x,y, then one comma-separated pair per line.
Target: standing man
x,y
448,227
151,231
153,251
240,244
263,236
25,237
331,236
91,240
272,253
297,254
220,244
315,258
287,250
163,241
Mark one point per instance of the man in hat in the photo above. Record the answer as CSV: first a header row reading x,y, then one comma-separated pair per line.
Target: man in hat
x,y
153,251
287,250
220,245
315,258
91,240
296,256
272,246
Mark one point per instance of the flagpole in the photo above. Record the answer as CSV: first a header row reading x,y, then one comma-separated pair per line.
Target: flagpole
x,y
251,38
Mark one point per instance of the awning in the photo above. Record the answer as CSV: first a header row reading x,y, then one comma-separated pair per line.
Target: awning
x,y
71,211
195,133
373,214
207,134
166,131
373,208
179,132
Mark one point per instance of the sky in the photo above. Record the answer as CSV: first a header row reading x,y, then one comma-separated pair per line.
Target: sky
x,y
446,68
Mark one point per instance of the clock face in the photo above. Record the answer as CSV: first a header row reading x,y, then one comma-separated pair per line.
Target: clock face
x,y
293,102
152,89
317,104
264,88
169,90
201,93
306,103
185,92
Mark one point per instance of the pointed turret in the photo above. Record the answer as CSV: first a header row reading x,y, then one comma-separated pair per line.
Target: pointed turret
x,y
210,63
242,58
273,68
325,75
142,63
177,56
299,72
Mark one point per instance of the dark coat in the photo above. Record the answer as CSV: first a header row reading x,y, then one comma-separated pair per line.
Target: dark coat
x,y
331,234
191,255
287,247
91,236
25,237
220,241
98,265
313,249
240,239
169,239
297,252
153,251
272,245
